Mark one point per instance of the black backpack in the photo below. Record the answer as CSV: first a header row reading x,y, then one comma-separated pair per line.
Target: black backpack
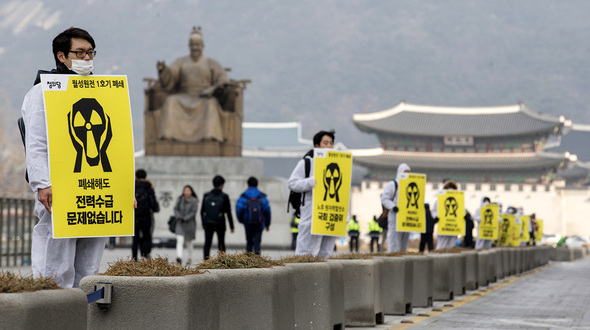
x,y
213,208
254,208
296,198
146,201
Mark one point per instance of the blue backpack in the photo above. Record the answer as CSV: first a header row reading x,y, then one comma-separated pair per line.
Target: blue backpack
x,y
254,209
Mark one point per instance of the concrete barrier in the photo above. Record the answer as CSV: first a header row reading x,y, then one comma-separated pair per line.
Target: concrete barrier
x,y
545,255
561,254
459,279
422,269
518,268
511,261
146,302
530,258
500,263
539,253
443,276
283,291
45,309
337,295
311,295
506,258
579,253
396,285
471,270
529,263
495,260
248,298
362,296
483,260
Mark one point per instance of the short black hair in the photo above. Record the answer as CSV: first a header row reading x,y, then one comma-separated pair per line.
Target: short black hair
x,y
252,182
317,138
63,41
218,180
141,174
487,199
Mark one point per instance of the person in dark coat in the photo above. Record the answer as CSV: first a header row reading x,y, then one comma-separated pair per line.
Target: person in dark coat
x,y
146,206
468,239
214,210
426,238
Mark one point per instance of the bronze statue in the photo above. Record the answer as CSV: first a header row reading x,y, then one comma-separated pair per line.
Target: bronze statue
x,y
192,114
195,109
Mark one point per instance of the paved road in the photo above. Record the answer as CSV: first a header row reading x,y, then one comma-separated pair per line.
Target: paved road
x,y
556,296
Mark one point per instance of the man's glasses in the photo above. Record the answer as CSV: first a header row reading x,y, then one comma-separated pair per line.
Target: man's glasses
x,y
82,54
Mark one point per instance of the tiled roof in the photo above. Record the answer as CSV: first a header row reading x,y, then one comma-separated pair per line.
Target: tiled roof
x,y
576,141
453,161
274,135
410,119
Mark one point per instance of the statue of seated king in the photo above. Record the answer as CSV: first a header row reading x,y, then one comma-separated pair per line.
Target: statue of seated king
x,y
193,108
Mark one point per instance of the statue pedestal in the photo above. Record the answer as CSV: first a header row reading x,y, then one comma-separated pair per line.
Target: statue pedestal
x,y
169,175
232,147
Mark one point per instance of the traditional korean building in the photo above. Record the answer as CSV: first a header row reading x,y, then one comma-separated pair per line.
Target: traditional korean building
x,y
575,141
502,144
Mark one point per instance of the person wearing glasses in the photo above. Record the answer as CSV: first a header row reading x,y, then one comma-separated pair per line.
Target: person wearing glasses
x,y
67,260
191,114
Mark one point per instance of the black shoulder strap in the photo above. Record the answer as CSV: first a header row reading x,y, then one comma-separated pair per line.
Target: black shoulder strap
x,y
21,128
307,171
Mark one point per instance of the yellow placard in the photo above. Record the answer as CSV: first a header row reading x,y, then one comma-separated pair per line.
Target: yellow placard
x,y
516,230
411,216
451,213
506,229
488,225
525,221
331,194
539,231
91,162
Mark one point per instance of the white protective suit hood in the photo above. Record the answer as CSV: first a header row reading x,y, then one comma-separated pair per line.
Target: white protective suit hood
x,y
510,210
482,203
401,169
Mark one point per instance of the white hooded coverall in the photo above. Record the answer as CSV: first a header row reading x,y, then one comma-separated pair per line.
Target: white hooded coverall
x,y
67,260
308,244
396,241
481,243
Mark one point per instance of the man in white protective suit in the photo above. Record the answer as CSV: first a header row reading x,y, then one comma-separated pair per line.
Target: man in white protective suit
x,y
67,260
482,243
396,241
444,241
308,244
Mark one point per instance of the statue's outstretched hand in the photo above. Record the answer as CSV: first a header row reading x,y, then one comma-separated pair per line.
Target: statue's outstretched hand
x,y
161,66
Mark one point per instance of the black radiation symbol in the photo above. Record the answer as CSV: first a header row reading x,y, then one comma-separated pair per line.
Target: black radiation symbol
x,y
505,225
451,207
91,133
488,215
332,181
412,194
